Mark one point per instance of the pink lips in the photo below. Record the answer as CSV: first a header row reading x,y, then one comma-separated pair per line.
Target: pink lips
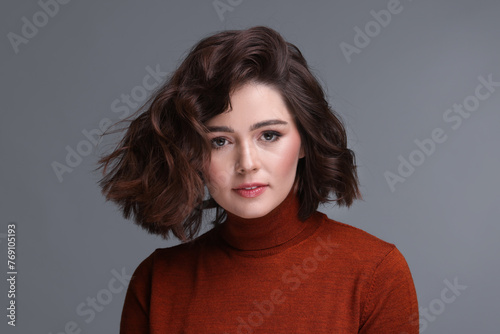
x,y
250,190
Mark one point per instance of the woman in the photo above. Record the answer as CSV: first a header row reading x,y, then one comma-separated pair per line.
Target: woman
x,y
244,118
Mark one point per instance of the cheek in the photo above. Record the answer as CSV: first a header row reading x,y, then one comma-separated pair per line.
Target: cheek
x,y
217,176
289,156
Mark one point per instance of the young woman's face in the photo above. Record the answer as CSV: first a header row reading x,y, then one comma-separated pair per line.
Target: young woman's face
x,y
255,150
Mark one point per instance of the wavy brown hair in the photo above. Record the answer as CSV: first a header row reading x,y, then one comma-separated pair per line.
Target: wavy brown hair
x,y
156,171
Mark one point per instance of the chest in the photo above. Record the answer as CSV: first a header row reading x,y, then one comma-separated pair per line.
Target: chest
x,y
307,292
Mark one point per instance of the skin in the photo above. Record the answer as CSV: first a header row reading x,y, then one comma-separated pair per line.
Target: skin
x,y
266,154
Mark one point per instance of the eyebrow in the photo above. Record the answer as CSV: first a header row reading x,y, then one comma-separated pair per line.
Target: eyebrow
x,y
252,128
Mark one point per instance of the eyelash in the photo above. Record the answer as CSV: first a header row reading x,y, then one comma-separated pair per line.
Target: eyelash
x,y
276,137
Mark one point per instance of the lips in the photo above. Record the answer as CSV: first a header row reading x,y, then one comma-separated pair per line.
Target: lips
x,y
250,190
247,186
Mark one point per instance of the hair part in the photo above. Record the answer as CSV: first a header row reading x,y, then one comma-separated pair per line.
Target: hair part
x,y
155,173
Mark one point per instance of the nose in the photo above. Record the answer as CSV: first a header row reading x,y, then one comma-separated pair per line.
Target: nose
x,y
247,160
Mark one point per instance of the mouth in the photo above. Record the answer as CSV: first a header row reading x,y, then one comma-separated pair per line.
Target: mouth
x,y
250,190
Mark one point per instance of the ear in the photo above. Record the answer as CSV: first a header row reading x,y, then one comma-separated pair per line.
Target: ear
x,y
302,152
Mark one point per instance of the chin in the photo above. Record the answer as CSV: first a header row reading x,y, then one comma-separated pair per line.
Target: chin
x,y
250,214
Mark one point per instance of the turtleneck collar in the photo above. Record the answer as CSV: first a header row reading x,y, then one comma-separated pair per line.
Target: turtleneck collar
x,y
274,229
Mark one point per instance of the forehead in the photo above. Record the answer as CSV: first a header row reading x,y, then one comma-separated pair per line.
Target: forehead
x,y
251,103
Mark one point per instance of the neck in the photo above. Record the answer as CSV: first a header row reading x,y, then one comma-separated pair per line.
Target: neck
x,y
275,228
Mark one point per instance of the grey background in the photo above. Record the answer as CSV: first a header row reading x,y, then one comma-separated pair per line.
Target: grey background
x,y
444,218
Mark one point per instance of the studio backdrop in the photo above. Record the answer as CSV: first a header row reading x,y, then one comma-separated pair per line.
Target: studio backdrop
x,y
417,84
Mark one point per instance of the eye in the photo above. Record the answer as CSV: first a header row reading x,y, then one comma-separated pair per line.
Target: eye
x,y
271,136
218,142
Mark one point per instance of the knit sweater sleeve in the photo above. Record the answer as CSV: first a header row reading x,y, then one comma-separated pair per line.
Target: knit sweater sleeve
x,y
135,312
391,305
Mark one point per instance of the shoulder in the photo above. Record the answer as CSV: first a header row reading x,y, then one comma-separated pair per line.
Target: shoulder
x,y
380,265
180,255
355,240
359,252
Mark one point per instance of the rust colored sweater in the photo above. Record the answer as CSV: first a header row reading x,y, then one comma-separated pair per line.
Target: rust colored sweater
x,y
274,274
